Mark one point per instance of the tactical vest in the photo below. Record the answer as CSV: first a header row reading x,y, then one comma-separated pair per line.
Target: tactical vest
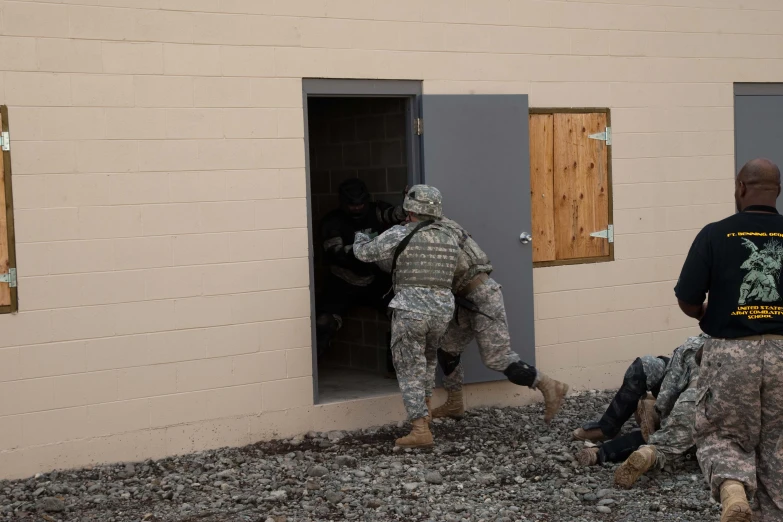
x,y
472,260
429,259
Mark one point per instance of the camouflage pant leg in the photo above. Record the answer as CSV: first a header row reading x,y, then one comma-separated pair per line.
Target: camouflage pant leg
x,y
457,338
770,455
492,335
435,334
728,412
414,338
676,435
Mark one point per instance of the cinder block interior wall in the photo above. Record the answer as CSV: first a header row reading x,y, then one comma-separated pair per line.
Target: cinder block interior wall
x,y
361,138
160,197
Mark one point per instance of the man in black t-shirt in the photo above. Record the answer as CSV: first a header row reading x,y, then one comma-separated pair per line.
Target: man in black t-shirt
x,y
739,413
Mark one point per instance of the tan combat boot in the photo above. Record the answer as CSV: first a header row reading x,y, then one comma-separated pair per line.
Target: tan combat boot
x,y
640,461
454,407
419,437
554,392
587,457
593,435
734,502
647,418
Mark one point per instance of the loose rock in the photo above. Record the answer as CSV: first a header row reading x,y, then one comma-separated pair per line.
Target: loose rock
x,y
50,505
318,471
433,477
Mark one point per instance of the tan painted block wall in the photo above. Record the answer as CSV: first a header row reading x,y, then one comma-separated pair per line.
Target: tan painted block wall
x,y
159,185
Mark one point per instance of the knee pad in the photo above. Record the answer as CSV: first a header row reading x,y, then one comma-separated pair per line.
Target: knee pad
x,y
448,362
521,374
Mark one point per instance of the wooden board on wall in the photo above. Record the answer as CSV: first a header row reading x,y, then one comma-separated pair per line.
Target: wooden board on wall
x,y
580,186
542,206
5,260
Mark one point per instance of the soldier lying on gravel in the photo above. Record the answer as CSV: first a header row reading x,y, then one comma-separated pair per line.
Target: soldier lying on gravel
x,y
674,384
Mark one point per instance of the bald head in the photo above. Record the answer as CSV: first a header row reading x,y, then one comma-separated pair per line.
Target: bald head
x,y
758,183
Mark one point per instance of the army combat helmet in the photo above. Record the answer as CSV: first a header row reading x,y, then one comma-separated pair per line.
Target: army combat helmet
x,y
424,200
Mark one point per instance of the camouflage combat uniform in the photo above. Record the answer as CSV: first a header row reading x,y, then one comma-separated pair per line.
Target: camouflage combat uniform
x,y
423,303
676,403
674,383
644,375
491,333
739,419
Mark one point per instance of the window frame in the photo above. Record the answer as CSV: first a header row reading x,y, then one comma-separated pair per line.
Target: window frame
x,y
13,307
609,192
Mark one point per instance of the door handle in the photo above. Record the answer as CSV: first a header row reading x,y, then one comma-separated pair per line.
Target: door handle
x,y
525,238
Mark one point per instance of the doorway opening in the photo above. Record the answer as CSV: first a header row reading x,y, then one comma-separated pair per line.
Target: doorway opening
x,y
369,138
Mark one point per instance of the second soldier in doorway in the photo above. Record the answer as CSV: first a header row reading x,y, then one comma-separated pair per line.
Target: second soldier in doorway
x,y
481,315
424,258
349,281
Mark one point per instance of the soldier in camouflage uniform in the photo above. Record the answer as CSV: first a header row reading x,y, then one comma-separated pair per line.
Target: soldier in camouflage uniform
x,y
676,406
674,403
739,408
487,324
349,282
643,376
424,258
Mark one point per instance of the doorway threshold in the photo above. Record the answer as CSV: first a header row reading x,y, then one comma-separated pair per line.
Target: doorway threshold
x,y
346,384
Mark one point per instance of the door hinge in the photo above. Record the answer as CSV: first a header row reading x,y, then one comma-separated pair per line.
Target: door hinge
x,y
603,136
9,277
5,141
606,234
418,126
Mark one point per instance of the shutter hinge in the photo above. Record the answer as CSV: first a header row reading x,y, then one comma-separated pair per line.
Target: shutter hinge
x,y
607,234
603,136
418,126
9,277
5,141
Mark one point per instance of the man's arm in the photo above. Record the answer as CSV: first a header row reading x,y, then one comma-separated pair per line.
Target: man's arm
x,y
696,311
336,253
670,386
694,282
380,248
389,215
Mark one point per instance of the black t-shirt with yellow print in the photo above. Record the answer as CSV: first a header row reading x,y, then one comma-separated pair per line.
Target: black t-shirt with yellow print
x,y
737,261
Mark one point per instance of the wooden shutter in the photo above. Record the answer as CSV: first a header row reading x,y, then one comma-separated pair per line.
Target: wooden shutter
x,y
8,301
581,201
542,207
569,181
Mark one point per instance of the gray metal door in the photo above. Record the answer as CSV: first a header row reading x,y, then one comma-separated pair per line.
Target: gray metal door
x,y
476,151
758,130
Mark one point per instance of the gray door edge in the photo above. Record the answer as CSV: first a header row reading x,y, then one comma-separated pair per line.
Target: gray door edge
x,y
758,89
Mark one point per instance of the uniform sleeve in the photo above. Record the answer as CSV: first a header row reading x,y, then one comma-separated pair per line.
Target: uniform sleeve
x,y
694,281
670,387
389,215
380,248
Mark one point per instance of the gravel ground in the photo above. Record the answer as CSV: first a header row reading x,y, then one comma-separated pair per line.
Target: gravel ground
x,y
494,465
